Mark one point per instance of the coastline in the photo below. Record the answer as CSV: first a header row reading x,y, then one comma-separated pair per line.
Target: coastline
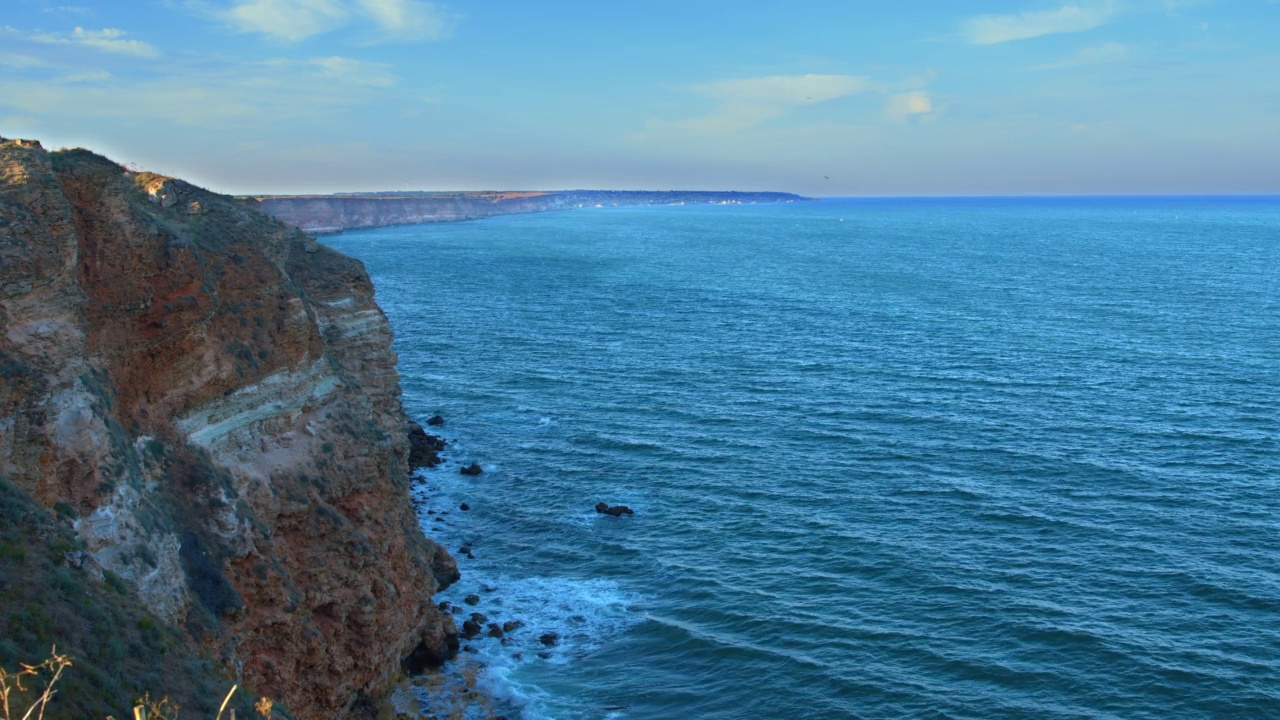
x,y
332,214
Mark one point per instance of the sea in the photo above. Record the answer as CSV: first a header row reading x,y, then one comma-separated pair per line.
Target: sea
x,y
890,458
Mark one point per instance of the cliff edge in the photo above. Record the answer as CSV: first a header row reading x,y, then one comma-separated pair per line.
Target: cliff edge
x,y
205,402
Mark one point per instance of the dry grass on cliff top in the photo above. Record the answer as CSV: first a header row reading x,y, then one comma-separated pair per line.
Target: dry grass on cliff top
x,y
34,687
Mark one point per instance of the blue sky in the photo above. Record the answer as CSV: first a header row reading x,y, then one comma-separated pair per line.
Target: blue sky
x,y
912,97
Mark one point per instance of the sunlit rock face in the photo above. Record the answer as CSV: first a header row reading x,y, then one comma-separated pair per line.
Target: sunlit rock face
x,y
214,396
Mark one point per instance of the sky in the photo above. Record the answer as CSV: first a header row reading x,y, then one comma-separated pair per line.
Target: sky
x,y
826,98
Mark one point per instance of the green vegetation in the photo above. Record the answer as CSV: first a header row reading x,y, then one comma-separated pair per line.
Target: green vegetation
x,y
120,651
33,687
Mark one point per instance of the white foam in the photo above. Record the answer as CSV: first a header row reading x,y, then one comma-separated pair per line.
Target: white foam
x,y
584,613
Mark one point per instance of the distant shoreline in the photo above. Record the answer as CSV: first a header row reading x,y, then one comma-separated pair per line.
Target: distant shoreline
x,y
328,214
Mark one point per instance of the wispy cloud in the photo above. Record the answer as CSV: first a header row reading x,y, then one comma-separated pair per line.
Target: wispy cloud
x,y
69,10
21,62
290,20
1108,52
746,103
993,29
296,20
355,72
409,19
111,40
211,95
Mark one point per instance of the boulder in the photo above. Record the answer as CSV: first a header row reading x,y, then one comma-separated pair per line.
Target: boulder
x,y
424,449
472,469
614,510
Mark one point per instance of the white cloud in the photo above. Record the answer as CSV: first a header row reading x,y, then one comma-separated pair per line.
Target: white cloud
x,y
355,72
109,40
905,105
408,19
92,76
992,29
14,60
69,10
296,20
1108,52
214,95
290,20
746,103
112,40
785,90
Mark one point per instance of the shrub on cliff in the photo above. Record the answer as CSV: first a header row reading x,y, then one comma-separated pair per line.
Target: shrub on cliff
x,y
120,651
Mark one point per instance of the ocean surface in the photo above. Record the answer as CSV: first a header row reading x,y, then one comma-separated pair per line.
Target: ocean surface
x,y
888,458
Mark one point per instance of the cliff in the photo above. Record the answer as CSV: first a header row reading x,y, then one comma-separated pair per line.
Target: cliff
x,y
335,213
200,407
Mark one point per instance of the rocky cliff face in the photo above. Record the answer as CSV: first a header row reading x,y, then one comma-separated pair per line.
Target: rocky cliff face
x,y
213,398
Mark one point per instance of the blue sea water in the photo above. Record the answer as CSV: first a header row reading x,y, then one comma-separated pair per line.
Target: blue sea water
x,y
891,458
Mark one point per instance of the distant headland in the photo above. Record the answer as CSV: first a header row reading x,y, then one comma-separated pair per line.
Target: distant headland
x,y
349,211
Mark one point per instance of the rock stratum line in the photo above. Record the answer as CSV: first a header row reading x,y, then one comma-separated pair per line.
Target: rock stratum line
x,y
209,400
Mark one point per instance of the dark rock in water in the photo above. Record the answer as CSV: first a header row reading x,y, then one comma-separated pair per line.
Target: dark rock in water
x,y
544,655
423,448
479,617
614,510
511,625
470,629
435,421
472,599
495,630
464,507
465,549
549,639
444,606
472,469
470,556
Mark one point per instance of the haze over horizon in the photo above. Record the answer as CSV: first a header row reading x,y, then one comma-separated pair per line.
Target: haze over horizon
x,y
819,98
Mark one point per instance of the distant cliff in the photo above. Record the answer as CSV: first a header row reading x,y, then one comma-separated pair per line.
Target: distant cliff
x,y
335,213
199,411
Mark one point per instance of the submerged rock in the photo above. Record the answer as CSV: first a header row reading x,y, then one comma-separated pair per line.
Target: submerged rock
x,y
614,510
472,469
435,421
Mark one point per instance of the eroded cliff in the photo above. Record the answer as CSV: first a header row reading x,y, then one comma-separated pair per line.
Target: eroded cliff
x,y
210,399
